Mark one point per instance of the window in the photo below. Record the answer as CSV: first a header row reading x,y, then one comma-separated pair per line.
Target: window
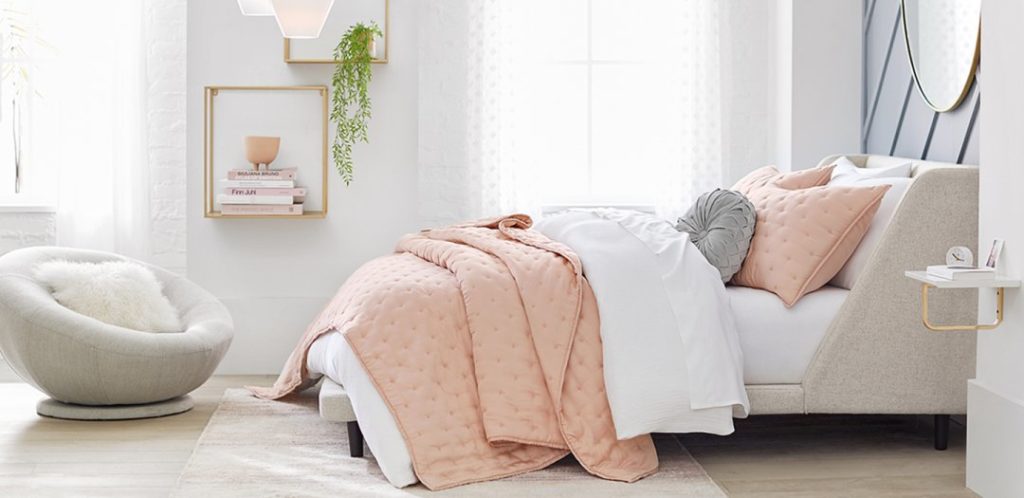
x,y
72,103
104,142
605,101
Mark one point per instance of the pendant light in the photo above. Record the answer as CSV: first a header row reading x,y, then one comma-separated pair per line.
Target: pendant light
x,y
256,7
301,18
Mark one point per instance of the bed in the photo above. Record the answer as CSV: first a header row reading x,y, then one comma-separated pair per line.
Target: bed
x,y
851,350
332,357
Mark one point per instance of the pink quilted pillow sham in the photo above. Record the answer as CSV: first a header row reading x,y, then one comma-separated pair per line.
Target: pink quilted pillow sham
x,y
805,230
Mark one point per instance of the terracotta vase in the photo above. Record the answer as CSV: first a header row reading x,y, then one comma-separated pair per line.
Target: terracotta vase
x,y
261,151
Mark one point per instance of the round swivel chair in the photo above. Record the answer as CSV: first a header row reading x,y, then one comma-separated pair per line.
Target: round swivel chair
x,y
95,371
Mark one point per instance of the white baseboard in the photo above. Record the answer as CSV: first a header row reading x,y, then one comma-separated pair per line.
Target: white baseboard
x,y
995,436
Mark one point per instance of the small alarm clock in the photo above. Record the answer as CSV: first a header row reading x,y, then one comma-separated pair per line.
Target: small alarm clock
x,y
959,257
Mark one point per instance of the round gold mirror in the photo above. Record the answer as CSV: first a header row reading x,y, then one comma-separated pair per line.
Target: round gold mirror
x,y
942,39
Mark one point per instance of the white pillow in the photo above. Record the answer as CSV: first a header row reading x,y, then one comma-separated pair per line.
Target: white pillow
x,y
120,293
847,173
847,276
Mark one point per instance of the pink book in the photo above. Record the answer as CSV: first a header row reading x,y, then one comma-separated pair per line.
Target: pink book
x,y
258,183
272,174
295,192
260,209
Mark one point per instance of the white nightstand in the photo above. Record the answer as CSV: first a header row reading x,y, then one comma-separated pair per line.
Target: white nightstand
x,y
999,283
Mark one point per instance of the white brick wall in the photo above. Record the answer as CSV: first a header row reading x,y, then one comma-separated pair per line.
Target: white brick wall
x,y
19,230
166,32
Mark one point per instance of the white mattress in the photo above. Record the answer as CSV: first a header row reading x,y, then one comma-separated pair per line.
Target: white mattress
x,y
779,343
331,355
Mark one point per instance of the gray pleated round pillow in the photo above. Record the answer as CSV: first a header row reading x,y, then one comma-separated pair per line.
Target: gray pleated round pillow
x,y
721,224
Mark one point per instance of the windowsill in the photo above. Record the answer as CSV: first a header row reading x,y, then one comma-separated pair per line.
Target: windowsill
x,y
26,206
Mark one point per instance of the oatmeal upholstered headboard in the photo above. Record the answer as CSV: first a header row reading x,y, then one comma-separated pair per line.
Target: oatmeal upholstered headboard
x,y
877,350
877,356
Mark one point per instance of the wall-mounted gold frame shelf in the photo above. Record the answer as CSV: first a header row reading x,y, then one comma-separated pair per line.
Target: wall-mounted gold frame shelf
x,y
306,215
288,58
210,94
999,283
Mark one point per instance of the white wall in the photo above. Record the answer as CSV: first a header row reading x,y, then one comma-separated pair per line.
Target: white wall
x,y
791,82
784,84
275,275
995,430
751,83
820,84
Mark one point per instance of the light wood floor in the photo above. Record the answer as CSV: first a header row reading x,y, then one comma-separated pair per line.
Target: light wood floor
x,y
49,457
838,455
768,456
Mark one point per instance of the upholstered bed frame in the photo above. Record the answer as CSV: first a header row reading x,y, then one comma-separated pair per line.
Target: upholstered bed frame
x,y
877,357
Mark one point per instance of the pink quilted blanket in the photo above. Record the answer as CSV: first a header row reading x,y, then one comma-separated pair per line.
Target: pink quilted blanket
x,y
484,341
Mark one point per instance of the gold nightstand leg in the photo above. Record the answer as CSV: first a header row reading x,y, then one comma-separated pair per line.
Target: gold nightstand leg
x,y
946,328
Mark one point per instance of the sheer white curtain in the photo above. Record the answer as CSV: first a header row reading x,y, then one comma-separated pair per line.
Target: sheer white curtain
x,y
93,93
526,103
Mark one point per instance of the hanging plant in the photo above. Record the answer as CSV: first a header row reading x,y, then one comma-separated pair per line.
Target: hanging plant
x,y
350,101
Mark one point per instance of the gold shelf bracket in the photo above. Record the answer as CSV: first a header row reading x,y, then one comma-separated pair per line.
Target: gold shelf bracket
x,y
967,328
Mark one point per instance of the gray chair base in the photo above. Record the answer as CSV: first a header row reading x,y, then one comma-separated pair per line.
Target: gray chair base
x,y
55,409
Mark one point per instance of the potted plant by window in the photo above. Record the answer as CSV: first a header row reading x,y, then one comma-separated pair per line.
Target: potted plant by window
x,y
16,35
350,100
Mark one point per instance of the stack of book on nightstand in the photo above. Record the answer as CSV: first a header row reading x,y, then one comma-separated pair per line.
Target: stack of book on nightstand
x,y
265,193
962,273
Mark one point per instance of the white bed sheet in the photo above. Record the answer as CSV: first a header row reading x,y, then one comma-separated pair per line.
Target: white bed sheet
x,y
778,343
672,359
332,356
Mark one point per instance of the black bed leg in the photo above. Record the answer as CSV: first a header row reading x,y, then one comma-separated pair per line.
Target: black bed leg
x,y
941,432
355,440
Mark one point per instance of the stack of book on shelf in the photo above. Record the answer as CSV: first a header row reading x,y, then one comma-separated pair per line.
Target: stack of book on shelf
x,y
269,192
962,273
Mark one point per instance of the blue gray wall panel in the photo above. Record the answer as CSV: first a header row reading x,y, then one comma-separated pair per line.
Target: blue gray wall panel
x,y
896,119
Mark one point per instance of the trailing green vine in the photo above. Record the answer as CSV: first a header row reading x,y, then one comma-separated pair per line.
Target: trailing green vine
x,y
351,106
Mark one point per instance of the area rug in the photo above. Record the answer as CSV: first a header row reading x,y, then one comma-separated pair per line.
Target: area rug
x,y
253,447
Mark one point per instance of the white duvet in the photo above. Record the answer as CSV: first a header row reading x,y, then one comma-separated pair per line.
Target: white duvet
x,y
672,361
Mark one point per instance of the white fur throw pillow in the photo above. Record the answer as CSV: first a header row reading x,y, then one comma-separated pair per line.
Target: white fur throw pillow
x,y
120,293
